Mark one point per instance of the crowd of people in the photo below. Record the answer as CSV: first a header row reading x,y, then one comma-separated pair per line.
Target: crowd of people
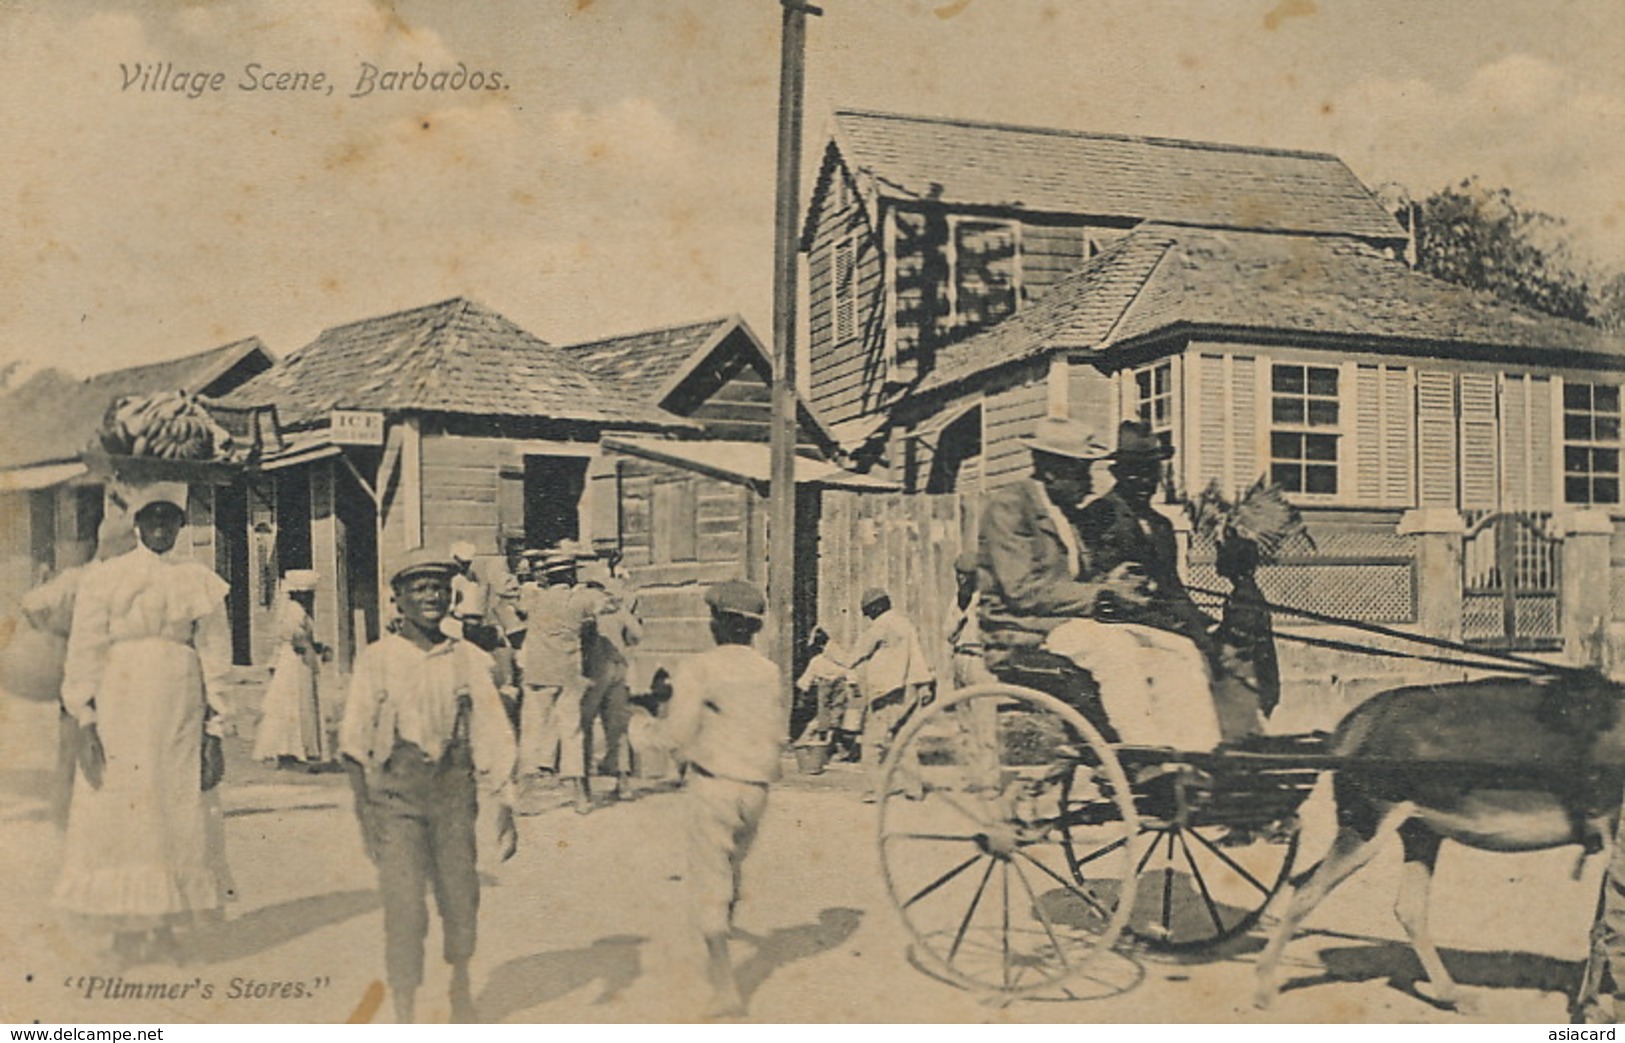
x,y
492,685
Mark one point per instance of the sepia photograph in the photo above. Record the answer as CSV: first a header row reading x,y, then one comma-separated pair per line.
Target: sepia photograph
x,y
762,511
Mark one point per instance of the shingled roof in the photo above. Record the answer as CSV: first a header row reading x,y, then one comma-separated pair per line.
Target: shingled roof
x,y
53,416
1041,170
643,364
456,356
1162,280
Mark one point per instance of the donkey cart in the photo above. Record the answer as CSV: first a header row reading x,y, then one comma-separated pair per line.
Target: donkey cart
x,y
1029,843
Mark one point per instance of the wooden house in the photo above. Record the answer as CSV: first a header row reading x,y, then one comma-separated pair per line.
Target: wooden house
x,y
922,231
1458,459
425,427
50,506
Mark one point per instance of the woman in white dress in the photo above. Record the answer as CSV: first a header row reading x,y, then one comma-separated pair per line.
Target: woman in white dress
x,y
149,647
291,729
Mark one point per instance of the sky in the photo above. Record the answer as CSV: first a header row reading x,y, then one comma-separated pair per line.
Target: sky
x,y
623,176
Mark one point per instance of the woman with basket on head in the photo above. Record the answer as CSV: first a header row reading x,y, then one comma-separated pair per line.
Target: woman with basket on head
x,y
149,648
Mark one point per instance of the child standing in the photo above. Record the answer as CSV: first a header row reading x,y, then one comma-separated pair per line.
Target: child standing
x,y
424,731
726,724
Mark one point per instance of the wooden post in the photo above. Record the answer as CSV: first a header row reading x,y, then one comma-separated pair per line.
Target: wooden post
x,y
782,493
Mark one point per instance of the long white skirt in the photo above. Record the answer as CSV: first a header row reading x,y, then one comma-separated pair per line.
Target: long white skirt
x,y
1154,685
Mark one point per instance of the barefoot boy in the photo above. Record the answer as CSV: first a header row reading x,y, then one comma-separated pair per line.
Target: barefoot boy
x,y
727,725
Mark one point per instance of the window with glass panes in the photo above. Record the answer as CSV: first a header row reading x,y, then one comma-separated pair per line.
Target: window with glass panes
x,y
1304,428
1591,443
1155,399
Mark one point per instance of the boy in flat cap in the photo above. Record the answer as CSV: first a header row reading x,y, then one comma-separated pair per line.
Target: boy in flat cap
x,y
726,723
423,732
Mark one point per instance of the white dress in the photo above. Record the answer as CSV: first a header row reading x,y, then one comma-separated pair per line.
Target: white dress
x,y
290,715
149,644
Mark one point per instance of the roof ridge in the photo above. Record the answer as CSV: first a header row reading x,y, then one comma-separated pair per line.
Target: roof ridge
x,y
195,357
1063,132
669,328
459,299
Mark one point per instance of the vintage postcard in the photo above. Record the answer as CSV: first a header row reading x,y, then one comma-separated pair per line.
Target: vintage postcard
x,y
929,511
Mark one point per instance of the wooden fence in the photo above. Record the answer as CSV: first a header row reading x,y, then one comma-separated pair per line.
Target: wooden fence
x,y
905,544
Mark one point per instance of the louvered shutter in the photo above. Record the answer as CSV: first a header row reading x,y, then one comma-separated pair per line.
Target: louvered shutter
x,y
1244,419
1398,438
1480,458
1211,449
1436,438
1542,454
1368,425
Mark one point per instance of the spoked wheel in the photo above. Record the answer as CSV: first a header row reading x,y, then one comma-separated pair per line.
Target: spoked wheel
x,y
1196,882
1204,884
974,839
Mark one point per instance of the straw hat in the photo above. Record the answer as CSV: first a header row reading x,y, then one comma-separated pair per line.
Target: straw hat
x,y
1069,438
295,580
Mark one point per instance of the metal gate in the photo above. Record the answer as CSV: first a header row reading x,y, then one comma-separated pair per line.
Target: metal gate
x,y
1511,572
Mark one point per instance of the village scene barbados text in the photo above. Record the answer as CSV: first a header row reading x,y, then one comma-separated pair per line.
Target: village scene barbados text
x,y
747,512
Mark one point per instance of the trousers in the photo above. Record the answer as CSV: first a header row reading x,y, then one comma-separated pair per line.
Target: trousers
x,y
548,715
1154,684
423,815
723,818
884,718
610,702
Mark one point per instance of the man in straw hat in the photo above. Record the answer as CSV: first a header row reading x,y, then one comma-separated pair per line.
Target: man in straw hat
x,y
560,621
424,734
725,724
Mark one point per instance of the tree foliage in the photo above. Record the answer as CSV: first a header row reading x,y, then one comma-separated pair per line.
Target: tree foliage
x,y
1487,239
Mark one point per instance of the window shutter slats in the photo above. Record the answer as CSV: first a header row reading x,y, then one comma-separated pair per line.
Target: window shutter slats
x,y
1244,415
1542,463
1436,439
1480,461
1211,439
1368,432
1399,439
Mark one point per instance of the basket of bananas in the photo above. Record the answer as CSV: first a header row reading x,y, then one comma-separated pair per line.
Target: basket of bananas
x,y
167,436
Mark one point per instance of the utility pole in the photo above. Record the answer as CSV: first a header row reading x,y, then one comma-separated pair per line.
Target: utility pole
x,y
781,515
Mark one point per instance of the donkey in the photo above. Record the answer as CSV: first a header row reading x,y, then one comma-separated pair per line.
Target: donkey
x,y
1500,764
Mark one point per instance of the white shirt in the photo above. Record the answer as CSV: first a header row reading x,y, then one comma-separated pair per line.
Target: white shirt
x,y
725,715
401,692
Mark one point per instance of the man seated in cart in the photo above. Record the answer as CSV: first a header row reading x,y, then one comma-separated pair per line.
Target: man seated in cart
x,y
1097,585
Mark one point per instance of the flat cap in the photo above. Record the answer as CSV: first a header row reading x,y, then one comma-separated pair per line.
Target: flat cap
x,y
873,596
966,562
736,598
421,560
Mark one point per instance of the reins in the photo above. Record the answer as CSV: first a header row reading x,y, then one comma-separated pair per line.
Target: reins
x,y
1510,662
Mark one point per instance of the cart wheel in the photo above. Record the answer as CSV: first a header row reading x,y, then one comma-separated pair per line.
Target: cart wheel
x,y
1202,885
974,839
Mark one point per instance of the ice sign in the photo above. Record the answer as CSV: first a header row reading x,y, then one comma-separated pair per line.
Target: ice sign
x,y
356,427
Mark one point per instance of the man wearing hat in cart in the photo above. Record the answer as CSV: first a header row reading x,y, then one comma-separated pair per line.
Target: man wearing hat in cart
x,y
725,724
425,736
1151,654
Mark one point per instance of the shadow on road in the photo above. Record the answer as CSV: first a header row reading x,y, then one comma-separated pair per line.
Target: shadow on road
x,y
785,945
1397,963
272,925
530,981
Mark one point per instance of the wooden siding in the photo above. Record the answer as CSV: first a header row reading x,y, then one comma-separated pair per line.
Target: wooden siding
x,y
846,375
679,532
460,479
1008,416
